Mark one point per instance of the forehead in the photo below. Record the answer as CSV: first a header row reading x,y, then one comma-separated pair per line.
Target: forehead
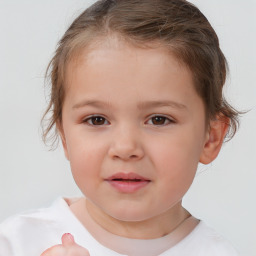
x,y
127,75
117,50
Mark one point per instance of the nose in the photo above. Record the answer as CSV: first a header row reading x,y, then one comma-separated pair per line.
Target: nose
x,y
126,145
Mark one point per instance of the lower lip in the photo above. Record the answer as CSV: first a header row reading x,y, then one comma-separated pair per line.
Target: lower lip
x,y
128,186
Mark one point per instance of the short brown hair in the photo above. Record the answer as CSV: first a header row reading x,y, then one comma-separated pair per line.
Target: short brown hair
x,y
175,24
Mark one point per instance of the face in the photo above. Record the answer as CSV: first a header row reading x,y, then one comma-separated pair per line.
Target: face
x,y
133,130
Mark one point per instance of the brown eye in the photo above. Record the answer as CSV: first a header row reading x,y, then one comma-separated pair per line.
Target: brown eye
x,y
160,120
96,120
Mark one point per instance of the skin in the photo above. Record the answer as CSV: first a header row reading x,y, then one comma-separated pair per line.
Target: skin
x,y
68,247
126,88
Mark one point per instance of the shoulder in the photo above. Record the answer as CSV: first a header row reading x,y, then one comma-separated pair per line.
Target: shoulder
x,y
33,232
206,241
39,227
213,241
31,218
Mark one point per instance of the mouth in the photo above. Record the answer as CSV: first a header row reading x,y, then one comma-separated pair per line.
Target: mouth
x,y
127,182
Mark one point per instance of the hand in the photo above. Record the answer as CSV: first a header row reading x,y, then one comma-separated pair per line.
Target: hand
x,y
67,248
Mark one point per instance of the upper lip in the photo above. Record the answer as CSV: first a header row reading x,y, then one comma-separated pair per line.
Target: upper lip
x,y
127,176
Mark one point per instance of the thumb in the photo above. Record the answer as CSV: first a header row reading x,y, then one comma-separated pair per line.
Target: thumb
x,y
67,240
71,247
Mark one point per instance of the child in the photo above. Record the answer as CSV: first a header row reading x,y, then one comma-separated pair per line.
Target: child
x,y
137,102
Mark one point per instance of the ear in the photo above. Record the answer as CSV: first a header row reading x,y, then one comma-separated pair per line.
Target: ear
x,y
63,138
214,139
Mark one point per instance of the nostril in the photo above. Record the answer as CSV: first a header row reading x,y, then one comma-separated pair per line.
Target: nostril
x,y
126,151
126,157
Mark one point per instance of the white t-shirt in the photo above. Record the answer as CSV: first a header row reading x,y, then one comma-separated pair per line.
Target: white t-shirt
x,y
34,232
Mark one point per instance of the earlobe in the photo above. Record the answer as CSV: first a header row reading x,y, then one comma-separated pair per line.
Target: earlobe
x,y
214,140
63,139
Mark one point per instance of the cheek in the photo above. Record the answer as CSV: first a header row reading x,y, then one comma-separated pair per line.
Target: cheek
x,y
176,161
85,173
84,148
174,151
85,160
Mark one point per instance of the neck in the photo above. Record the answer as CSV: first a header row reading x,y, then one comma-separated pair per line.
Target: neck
x,y
154,227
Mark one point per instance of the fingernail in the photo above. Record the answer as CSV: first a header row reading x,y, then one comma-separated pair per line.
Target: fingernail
x,y
67,237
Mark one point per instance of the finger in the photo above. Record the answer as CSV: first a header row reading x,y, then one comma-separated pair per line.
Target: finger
x,y
67,240
78,251
72,248
56,250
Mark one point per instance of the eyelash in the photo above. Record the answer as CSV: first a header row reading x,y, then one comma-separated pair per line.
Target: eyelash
x,y
103,121
89,120
166,120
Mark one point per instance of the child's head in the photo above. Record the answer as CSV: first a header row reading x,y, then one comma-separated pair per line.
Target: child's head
x,y
176,25
137,99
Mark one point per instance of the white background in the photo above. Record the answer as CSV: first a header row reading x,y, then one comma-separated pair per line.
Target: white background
x,y
223,193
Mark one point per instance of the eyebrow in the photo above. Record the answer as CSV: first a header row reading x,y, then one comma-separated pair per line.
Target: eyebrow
x,y
161,103
141,105
93,103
